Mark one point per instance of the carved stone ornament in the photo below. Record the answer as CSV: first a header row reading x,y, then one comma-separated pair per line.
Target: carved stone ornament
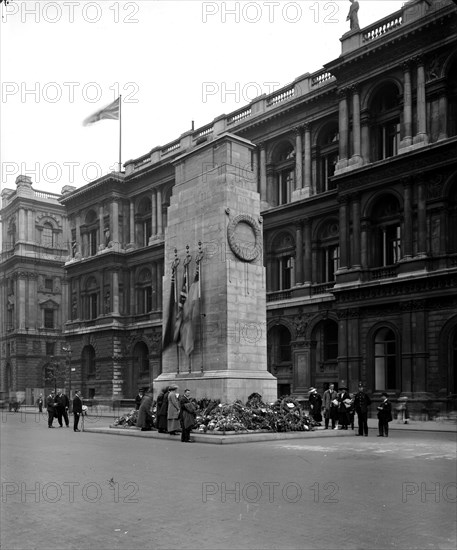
x,y
244,237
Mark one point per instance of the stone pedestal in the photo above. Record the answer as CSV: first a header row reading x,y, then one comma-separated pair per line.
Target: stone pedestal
x,y
215,201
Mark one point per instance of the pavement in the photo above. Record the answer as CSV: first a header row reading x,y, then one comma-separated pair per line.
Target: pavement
x,y
102,423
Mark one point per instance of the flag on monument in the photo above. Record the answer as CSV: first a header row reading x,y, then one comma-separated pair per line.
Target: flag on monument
x,y
110,112
191,312
182,301
169,325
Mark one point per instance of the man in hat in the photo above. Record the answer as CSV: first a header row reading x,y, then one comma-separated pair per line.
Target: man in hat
x,y
77,410
344,402
361,403
174,408
330,406
315,405
384,416
139,398
50,408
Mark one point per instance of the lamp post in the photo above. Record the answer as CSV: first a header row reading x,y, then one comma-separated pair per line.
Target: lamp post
x,y
67,349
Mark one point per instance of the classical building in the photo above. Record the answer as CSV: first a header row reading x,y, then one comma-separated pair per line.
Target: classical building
x,y
33,298
356,167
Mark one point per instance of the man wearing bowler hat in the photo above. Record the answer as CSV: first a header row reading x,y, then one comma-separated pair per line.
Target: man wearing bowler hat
x,y
361,403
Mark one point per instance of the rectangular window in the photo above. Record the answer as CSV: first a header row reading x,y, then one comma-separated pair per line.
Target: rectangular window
x,y
50,348
147,231
93,306
48,284
93,242
48,318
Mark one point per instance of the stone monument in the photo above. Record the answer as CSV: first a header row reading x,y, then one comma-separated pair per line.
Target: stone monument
x,y
215,202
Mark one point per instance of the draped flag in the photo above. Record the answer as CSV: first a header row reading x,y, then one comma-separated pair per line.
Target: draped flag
x,y
191,313
182,301
169,325
110,112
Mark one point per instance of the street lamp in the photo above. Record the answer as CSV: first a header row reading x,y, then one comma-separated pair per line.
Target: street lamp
x,y
67,349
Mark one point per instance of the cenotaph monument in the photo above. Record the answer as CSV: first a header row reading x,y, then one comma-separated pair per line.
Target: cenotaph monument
x,y
214,225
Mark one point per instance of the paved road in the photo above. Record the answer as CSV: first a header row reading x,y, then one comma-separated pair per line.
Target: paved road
x,y
68,490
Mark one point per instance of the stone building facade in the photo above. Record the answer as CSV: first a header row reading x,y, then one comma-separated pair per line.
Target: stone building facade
x,y
356,166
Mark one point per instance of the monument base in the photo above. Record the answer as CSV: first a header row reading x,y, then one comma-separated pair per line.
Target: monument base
x,y
228,386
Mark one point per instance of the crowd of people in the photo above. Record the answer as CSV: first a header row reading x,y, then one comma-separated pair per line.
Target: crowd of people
x,y
58,406
175,413
340,407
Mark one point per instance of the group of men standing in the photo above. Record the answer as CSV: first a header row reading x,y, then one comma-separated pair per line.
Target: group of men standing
x,y
175,412
339,408
57,406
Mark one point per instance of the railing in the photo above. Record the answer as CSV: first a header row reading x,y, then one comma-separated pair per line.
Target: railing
x,y
241,115
382,27
280,97
170,148
384,272
322,288
142,162
203,132
280,295
44,195
321,77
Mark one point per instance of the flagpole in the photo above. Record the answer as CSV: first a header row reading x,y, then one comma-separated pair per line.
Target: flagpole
x,y
120,133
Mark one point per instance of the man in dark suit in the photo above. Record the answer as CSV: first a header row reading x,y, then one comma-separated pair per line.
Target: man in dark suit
x,y
62,405
361,404
330,408
77,410
384,416
50,408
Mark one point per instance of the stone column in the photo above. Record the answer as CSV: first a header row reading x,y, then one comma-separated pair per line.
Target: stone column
x,y
78,235
356,237
30,227
159,213
115,290
298,158
343,125
308,274
22,224
131,224
343,222
308,184
421,107
21,283
356,155
114,230
407,137
102,226
364,242
365,135
408,221
154,213
263,172
299,254
421,220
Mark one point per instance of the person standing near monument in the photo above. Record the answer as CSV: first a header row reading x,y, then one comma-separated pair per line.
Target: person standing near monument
x,y
353,17
50,408
187,416
173,410
330,408
62,405
77,410
145,412
384,416
361,404
315,405
162,410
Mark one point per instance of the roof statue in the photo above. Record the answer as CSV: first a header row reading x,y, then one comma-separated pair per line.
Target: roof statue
x,y
352,17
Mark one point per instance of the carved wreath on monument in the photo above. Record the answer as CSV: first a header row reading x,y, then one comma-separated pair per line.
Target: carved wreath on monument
x,y
244,236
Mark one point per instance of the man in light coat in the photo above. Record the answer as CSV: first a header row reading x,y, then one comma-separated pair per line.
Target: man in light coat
x,y
174,409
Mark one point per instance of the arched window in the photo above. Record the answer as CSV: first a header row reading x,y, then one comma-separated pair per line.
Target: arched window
x,y
141,359
385,360
327,154
385,132
47,236
284,168
329,252
386,235
282,260
88,361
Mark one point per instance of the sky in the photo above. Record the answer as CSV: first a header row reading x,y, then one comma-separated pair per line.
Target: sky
x,y
173,61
